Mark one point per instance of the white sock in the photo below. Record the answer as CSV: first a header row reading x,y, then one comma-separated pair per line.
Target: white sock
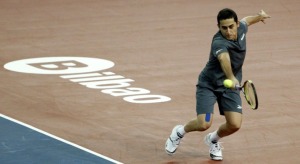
x,y
214,137
181,130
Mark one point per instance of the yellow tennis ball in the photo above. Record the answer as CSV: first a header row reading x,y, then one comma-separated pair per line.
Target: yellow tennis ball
x,y
228,83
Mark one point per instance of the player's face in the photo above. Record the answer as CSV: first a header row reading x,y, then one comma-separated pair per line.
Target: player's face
x,y
228,28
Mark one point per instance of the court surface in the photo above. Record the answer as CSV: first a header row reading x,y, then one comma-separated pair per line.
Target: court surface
x,y
154,48
23,143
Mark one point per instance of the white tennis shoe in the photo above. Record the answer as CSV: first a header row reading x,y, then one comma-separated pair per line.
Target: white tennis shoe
x,y
173,141
215,149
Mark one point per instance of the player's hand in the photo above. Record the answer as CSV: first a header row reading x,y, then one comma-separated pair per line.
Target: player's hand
x,y
263,16
235,83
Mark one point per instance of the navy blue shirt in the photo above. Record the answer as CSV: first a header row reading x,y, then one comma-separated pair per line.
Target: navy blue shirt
x,y
212,75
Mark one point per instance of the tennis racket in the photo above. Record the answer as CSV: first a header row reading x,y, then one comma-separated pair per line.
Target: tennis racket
x,y
249,92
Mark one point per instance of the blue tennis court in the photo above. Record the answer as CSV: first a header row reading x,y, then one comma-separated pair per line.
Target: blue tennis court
x,y
22,143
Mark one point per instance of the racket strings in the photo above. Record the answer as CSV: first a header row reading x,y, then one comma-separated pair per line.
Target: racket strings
x,y
250,94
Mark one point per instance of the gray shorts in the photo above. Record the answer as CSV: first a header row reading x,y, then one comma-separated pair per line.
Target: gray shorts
x,y
228,100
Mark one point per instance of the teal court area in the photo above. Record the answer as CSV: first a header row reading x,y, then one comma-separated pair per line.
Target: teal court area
x,y
25,144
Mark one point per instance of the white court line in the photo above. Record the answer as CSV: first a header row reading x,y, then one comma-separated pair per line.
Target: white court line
x,y
60,139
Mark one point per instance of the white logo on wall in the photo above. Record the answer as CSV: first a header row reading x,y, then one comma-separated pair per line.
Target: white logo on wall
x,y
87,72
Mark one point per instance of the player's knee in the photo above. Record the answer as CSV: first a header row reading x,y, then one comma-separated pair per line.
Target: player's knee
x,y
204,121
234,126
204,126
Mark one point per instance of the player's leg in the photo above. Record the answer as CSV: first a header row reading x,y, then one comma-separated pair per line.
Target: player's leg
x,y
201,123
230,106
233,123
205,99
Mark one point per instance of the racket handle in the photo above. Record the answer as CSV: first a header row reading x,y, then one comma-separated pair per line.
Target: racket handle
x,y
238,87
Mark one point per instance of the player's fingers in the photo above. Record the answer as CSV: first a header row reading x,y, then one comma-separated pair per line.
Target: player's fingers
x,y
236,82
264,14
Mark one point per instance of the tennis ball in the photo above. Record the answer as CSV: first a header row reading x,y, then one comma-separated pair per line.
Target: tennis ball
x,y
228,83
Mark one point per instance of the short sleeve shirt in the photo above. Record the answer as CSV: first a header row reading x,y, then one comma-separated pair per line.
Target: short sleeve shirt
x,y
212,75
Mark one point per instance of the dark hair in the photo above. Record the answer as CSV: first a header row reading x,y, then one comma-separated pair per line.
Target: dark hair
x,y
226,14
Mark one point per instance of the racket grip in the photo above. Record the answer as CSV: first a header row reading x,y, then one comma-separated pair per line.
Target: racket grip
x,y
238,87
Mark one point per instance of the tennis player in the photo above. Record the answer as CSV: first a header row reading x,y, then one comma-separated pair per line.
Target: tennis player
x,y
227,54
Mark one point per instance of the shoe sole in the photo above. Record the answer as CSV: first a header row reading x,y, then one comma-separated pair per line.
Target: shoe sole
x,y
216,158
167,151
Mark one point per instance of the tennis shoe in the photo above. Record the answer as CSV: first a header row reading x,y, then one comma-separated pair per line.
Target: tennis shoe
x,y
173,141
215,149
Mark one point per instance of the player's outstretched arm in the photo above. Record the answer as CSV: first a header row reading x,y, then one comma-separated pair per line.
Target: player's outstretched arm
x,y
261,16
225,63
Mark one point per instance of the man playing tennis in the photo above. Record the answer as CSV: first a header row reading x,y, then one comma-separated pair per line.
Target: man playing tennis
x,y
228,50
